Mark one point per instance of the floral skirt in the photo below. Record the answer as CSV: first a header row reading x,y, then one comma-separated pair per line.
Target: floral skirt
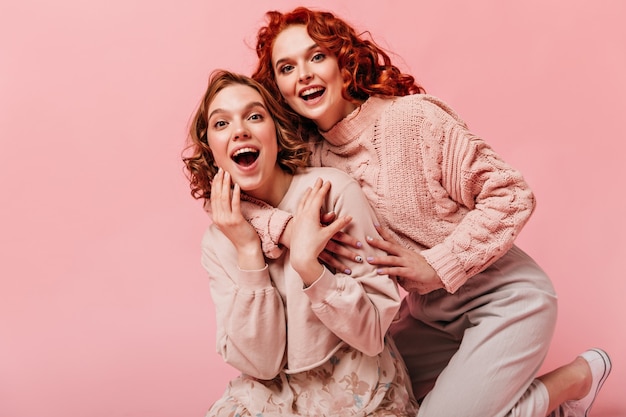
x,y
349,384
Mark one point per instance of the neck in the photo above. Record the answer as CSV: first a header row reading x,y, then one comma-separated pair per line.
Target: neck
x,y
274,192
348,108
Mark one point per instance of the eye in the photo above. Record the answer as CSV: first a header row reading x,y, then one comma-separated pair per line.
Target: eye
x,y
318,57
256,116
286,69
219,124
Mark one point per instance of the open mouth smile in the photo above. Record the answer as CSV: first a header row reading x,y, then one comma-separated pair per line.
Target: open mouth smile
x,y
312,93
245,156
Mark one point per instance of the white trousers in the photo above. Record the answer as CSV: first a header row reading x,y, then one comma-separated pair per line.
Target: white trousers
x,y
476,353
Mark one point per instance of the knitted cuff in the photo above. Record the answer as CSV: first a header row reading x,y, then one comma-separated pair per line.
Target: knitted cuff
x,y
269,223
276,226
447,266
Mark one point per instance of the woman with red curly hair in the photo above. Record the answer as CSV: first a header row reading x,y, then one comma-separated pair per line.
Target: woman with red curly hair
x,y
479,315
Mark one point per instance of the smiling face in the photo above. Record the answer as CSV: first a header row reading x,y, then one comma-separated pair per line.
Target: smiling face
x,y
242,136
308,78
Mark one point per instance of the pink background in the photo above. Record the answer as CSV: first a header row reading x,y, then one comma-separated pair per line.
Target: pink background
x,y
105,309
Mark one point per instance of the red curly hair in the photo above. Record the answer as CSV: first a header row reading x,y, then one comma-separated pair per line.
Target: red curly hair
x,y
365,67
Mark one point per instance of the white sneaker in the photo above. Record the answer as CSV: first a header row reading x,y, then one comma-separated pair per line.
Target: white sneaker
x,y
600,365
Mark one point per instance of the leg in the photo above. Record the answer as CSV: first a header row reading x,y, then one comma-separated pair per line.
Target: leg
x,y
504,318
426,350
571,381
573,387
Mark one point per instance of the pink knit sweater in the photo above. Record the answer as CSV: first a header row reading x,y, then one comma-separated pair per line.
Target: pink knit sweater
x,y
438,188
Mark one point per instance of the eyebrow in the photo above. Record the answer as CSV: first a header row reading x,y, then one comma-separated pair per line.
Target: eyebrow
x,y
248,107
309,49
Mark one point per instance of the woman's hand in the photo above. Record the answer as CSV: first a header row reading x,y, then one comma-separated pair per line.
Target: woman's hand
x,y
226,215
309,235
337,247
412,270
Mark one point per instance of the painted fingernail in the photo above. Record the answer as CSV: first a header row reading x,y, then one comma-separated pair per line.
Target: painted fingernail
x,y
370,259
369,238
347,271
379,271
359,245
358,258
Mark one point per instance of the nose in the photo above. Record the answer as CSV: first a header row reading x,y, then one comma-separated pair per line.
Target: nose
x,y
241,131
305,75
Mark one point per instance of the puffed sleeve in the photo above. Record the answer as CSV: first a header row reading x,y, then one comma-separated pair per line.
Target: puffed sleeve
x,y
250,317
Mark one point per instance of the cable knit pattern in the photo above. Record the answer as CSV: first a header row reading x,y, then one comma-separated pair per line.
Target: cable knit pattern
x,y
437,187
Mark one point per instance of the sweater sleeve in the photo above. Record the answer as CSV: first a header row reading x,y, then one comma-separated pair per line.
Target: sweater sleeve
x,y
497,199
358,308
250,317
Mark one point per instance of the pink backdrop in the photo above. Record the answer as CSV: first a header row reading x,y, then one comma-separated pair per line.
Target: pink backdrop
x,y
105,310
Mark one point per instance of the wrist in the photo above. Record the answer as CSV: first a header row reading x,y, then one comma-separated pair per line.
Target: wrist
x,y
250,257
309,272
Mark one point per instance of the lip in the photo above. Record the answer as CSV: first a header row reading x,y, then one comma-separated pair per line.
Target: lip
x,y
311,89
242,147
243,168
